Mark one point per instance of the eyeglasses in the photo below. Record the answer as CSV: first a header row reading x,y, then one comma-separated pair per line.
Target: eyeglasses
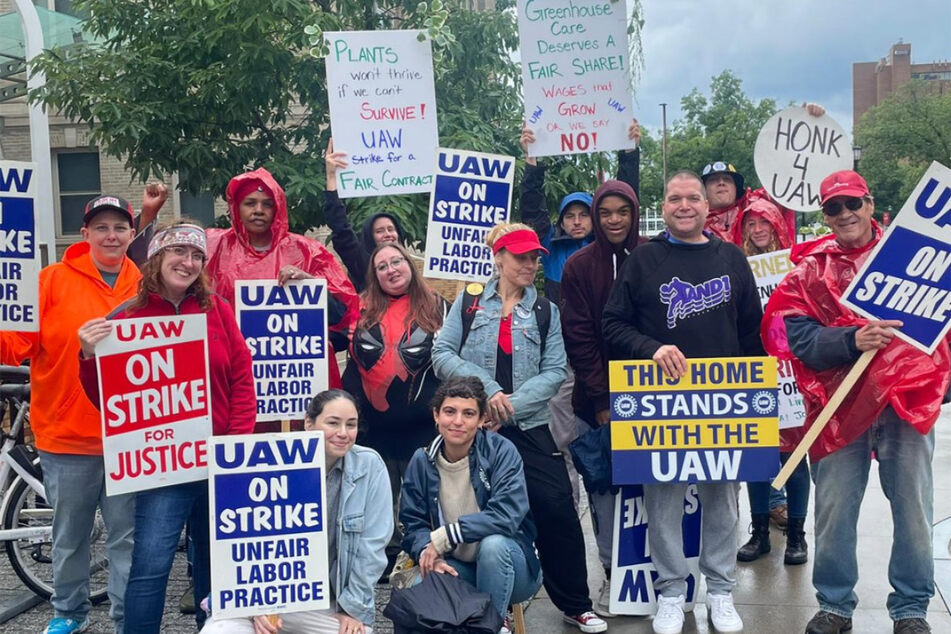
x,y
719,166
383,267
187,254
834,207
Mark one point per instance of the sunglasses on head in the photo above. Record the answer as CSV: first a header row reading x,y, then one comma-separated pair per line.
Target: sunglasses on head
x,y
834,207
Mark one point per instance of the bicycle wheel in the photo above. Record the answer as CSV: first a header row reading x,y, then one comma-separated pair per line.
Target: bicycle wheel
x,y
31,555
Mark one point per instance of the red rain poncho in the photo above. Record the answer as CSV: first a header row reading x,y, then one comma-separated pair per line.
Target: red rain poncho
x,y
231,256
771,213
788,216
902,376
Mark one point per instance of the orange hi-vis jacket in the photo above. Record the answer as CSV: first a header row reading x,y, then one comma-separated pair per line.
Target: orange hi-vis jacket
x,y
71,293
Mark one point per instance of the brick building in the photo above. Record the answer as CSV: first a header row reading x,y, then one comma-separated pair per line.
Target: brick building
x,y
872,82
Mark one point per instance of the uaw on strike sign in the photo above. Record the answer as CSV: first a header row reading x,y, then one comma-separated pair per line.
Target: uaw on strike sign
x,y
285,328
718,422
155,401
908,274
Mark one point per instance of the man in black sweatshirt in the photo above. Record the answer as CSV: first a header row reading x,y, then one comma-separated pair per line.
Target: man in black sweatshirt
x,y
686,293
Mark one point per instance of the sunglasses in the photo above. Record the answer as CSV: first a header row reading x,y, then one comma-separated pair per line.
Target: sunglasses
x,y
834,207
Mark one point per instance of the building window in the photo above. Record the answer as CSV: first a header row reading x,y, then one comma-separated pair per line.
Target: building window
x,y
77,182
199,207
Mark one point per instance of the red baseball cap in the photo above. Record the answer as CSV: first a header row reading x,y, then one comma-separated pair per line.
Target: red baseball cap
x,y
843,183
518,242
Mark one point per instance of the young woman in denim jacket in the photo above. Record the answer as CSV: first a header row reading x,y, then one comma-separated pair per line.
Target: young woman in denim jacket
x,y
504,350
360,509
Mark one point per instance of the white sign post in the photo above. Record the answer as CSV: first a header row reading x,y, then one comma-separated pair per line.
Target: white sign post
x,y
382,111
472,193
794,151
769,269
285,328
268,535
19,256
576,75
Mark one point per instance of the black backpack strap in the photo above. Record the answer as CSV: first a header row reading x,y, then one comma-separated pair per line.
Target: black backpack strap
x,y
542,310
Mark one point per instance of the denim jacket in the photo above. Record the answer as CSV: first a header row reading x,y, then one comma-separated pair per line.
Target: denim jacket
x,y
535,379
364,527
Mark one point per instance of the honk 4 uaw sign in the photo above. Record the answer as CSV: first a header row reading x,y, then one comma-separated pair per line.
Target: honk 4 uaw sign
x,y
718,422
908,274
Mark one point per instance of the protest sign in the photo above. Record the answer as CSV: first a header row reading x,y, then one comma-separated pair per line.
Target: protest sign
x,y
718,422
382,111
156,402
19,257
794,151
285,328
632,573
268,537
908,274
576,75
472,193
769,269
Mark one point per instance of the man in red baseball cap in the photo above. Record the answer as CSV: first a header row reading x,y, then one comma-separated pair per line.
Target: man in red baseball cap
x,y
890,413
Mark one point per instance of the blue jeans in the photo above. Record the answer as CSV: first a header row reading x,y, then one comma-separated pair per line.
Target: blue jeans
x,y
797,488
500,570
160,516
904,458
75,486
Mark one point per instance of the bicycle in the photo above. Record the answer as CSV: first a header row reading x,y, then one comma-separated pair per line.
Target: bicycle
x,y
26,518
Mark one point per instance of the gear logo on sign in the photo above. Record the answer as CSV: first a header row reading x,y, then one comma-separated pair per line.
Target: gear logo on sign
x,y
763,403
625,406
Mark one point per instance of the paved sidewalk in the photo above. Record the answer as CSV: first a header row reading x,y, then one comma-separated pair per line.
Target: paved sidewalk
x,y
770,597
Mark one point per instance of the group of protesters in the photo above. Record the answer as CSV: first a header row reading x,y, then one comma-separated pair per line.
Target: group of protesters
x,y
465,411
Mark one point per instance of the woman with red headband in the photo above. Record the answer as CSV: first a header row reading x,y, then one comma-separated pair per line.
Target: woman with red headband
x,y
510,338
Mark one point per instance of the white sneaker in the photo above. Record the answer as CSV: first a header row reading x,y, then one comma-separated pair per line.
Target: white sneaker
x,y
603,605
670,615
722,614
506,626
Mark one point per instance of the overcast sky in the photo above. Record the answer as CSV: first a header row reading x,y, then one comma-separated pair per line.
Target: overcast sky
x,y
785,49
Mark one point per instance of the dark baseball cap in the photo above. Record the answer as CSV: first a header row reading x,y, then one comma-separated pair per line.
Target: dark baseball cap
x,y
108,203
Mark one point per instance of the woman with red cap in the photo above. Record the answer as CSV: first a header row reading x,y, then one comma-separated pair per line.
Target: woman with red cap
x,y
510,338
763,230
259,246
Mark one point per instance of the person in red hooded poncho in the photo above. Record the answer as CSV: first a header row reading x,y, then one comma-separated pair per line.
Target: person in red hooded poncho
x,y
259,246
891,411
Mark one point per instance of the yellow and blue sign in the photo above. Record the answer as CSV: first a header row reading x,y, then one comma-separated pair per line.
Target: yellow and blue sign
x,y
718,422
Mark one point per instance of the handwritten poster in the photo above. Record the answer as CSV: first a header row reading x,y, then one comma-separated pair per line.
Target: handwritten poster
x,y
576,75
382,111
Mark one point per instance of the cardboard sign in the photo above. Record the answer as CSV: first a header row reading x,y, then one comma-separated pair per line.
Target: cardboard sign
x,y
576,75
156,402
908,274
633,573
718,422
19,257
285,328
382,111
769,269
268,535
794,151
472,194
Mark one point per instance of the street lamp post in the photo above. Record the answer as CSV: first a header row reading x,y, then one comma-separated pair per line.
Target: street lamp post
x,y
856,157
663,108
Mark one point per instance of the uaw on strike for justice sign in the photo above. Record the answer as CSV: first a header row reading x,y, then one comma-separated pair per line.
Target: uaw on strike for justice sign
x,y
908,274
576,75
471,194
718,422
268,537
633,576
382,111
769,269
155,401
19,258
285,328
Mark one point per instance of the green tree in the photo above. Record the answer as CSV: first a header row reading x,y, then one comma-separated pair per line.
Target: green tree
x,y
900,138
209,88
721,127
